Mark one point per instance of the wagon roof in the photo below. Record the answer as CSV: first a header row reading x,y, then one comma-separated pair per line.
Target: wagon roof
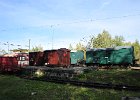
x,y
64,49
99,49
122,47
76,50
115,48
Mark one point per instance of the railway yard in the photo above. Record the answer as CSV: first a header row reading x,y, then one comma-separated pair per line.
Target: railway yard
x,y
70,50
63,74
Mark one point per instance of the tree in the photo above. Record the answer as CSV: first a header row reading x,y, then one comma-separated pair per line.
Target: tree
x,y
137,50
127,44
70,47
80,46
103,40
37,48
118,41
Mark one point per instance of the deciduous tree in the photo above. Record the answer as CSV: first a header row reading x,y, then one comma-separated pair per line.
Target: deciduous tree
x,y
37,48
103,40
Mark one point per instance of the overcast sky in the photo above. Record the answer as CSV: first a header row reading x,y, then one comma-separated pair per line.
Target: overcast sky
x,y
66,21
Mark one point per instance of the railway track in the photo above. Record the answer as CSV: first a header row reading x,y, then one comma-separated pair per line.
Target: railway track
x,y
135,68
90,84
53,73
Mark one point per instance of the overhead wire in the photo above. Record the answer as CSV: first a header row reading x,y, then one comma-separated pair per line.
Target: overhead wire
x,y
91,20
75,22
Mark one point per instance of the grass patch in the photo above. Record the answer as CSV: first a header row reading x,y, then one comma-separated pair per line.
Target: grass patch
x,y
14,88
119,76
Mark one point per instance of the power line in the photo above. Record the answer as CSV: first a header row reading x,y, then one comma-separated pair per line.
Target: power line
x,y
78,21
91,20
107,18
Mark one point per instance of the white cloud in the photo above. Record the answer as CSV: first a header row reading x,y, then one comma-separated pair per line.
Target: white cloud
x,y
105,3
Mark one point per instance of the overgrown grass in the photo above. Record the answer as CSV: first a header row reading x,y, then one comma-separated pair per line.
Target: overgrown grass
x,y
115,76
14,88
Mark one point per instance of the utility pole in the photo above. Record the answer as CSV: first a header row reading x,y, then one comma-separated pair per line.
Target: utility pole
x,y
29,44
52,35
8,46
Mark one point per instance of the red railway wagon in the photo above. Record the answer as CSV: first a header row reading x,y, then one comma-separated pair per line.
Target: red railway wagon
x,y
57,58
23,58
36,59
8,64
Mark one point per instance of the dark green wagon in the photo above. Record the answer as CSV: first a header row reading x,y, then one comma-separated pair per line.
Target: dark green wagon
x,y
76,57
96,56
122,55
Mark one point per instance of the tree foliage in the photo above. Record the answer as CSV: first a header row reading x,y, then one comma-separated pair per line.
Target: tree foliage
x,y
37,48
104,40
136,49
118,41
80,46
70,47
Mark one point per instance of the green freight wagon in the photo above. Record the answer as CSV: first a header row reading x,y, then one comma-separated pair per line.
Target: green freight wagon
x,y
96,56
122,55
90,57
77,57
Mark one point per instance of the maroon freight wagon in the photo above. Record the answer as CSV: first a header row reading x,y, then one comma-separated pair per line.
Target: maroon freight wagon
x,y
36,59
23,58
8,63
57,58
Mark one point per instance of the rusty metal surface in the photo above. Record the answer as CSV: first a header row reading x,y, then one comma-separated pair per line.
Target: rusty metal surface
x,y
59,57
36,58
23,58
52,58
8,63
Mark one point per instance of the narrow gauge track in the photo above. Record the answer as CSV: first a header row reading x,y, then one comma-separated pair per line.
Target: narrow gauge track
x,y
89,84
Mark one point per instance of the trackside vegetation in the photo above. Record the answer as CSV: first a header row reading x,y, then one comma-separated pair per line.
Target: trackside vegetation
x,y
15,88
114,76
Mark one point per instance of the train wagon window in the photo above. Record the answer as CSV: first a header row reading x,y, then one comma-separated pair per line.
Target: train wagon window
x,y
22,58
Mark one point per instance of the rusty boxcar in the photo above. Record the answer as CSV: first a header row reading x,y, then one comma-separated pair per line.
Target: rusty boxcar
x,y
36,59
23,58
8,64
57,58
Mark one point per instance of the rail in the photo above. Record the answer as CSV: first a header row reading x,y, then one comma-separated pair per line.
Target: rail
x,y
90,84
